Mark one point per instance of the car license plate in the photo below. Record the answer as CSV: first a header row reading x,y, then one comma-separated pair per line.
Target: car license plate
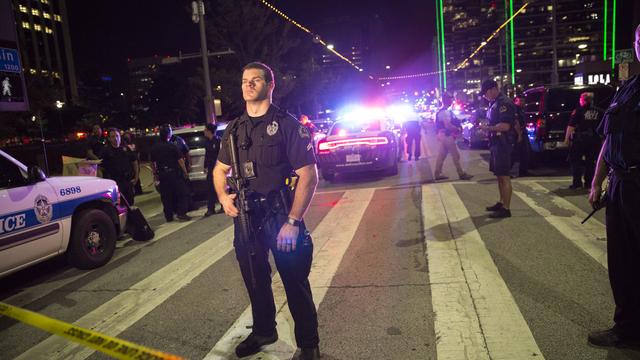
x,y
353,157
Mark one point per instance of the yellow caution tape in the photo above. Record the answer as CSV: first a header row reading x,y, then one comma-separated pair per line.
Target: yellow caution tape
x,y
114,347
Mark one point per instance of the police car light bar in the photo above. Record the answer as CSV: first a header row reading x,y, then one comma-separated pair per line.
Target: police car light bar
x,y
325,146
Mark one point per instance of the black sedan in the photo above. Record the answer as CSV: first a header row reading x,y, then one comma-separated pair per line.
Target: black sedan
x,y
357,147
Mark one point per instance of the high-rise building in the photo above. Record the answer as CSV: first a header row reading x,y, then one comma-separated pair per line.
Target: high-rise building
x,y
523,54
45,43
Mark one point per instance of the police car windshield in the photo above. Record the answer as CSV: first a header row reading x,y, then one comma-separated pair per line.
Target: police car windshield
x,y
347,128
194,140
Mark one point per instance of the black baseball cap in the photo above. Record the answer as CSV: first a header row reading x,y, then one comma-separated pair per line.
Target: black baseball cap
x,y
486,85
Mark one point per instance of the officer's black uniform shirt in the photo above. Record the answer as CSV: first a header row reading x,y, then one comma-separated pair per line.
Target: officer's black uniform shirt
x,y
97,145
279,145
502,110
166,156
211,150
585,119
621,126
117,163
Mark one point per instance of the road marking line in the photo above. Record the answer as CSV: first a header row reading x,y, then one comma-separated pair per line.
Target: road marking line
x,y
476,315
41,290
119,313
587,237
332,238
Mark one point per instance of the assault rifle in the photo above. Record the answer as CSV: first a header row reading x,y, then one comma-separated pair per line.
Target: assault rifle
x,y
243,203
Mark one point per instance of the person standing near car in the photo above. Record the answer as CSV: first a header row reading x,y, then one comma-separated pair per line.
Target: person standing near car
x,y
620,153
271,146
448,129
96,143
211,148
127,142
584,141
522,148
501,115
169,169
412,129
120,165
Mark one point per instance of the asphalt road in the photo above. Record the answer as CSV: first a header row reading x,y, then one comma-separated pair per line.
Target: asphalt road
x,y
404,268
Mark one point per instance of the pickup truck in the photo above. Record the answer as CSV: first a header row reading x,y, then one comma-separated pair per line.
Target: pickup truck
x,y
42,217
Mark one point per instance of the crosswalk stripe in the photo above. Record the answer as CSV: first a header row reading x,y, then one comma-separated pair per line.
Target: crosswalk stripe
x,y
131,305
331,240
586,237
43,289
476,315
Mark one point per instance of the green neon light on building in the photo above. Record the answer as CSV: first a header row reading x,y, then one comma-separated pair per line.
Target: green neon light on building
x,y
444,58
438,59
506,34
604,51
613,37
513,60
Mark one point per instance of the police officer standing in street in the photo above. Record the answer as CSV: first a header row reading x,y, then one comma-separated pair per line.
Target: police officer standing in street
x,y
120,165
211,150
271,146
448,130
169,169
583,140
412,128
621,154
501,115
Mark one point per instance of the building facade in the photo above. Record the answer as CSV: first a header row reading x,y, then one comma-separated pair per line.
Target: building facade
x,y
563,33
45,43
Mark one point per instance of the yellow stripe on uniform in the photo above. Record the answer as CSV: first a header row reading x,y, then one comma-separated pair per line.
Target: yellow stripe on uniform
x,y
114,347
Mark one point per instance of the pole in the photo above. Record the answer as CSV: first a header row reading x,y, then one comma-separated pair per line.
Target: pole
x,y
208,98
44,147
554,43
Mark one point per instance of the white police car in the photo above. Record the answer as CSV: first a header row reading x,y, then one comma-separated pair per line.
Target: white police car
x,y
42,217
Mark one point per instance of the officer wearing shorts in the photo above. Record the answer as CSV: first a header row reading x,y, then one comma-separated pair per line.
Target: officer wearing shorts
x,y
501,115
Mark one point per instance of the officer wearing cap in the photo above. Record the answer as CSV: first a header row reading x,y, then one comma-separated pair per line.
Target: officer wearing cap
x,y
583,141
501,115
271,145
621,154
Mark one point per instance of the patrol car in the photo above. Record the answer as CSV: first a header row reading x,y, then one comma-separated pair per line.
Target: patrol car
x,y
43,217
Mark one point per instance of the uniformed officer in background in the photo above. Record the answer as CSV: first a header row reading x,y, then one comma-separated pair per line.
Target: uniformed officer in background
x,y
273,144
211,150
583,140
169,169
522,148
412,129
96,143
621,154
120,165
448,129
501,115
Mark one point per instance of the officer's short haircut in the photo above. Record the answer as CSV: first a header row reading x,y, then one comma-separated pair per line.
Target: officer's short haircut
x,y
164,133
268,73
211,127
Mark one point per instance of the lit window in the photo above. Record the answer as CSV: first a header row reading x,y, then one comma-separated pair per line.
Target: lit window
x,y
57,17
22,8
26,25
46,15
35,12
32,71
44,1
37,27
48,30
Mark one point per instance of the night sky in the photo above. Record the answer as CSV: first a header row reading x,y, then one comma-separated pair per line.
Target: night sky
x,y
105,33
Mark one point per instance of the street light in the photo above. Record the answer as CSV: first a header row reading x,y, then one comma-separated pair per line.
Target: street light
x,y
59,105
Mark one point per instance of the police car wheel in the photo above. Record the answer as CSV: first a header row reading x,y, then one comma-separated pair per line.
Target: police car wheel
x,y
93,239
328,176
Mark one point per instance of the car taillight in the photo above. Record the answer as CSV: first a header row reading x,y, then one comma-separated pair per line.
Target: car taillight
x,y
325,146
540,128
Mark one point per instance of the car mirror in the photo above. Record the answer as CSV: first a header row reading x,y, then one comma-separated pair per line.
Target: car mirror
x,y
35,174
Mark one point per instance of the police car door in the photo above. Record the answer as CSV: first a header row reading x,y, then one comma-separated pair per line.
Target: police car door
x,y
27,230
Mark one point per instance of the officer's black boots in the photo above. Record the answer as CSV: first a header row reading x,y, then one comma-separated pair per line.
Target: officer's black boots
x,y
308,354
609,338
254,343
495,207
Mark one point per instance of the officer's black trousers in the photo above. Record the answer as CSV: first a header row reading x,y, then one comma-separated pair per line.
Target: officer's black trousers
x,y
174,195
413,139
212,197
126,190
294,268
623,253
587,148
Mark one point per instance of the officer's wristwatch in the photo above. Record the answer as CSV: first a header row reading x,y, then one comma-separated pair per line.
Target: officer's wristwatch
x,y
294,222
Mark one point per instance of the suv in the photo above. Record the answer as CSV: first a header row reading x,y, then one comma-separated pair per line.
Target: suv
x,y
195,139
42,217
547,111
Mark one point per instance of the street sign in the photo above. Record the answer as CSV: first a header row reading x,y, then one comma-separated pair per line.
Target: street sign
x,y
624,56
9,60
